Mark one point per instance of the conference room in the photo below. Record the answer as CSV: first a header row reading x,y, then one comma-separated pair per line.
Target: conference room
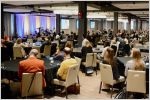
x,y
75,49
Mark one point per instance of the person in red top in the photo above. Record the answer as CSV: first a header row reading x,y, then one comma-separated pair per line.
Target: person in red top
x,y
32,65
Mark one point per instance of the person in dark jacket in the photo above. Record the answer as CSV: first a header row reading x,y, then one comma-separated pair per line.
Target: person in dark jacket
x,y
126,48
9,47
46,42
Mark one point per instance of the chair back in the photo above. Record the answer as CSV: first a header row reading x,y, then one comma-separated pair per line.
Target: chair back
x,y
72,75
118,43
35,87
47,50
147,43
78,61
17,52
106,74
136,81
90,60
144,54
38,48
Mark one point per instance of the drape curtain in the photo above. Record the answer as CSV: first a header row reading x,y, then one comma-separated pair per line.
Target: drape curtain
x,y
27,24
32,21
20,24
9,24
43,22
52,23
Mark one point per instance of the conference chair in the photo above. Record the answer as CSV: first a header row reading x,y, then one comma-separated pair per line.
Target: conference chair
x,y
117,44
47,50
107,77
90,63
146,43
79,62
31,84
136,81
70,79
144,54
17,52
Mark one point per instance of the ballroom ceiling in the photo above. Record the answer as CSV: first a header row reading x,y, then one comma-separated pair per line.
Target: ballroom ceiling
x,y
135,9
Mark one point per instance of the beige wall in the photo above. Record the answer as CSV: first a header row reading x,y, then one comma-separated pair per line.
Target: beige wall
x,y
145,25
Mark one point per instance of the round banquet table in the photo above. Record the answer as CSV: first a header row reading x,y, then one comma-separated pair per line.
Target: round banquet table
x,y
9,70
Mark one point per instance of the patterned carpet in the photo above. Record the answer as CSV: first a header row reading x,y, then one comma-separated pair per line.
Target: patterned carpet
x,y
89,89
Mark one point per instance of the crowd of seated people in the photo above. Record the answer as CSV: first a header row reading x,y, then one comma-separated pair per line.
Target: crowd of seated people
x,y
109,40
40,39
125,39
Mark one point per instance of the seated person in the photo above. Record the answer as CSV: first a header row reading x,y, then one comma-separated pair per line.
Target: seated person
x,y
126,48
84,40
111,60
20,44
46,42
86,49
106,45
68,61
32,64
70,45
53,48
113,46
135,64
9,46
59,55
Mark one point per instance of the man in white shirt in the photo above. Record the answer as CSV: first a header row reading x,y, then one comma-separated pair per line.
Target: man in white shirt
x,y
84,40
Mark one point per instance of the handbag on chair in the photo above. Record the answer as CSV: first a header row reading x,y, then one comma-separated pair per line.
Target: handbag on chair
x,y
74,89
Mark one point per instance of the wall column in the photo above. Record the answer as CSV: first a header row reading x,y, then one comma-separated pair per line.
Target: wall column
x,y
111,24
115,23
129,24
58,22
82,21
141,25
101,25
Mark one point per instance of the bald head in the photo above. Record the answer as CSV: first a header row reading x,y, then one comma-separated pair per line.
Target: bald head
x,y
34,52
67,50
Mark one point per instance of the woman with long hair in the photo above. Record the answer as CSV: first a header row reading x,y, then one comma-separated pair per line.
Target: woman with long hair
x,y
20,44
87,48
111,60
69,45
136,63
